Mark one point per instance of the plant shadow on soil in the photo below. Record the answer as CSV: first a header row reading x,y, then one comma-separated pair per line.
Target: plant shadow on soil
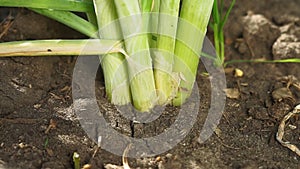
x,y
35,90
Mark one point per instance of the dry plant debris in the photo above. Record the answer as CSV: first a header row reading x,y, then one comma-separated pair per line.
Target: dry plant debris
x,y
124,160
280,132
6,24
290,81
52,125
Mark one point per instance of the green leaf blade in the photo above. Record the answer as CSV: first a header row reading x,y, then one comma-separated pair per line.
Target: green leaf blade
x,y
66,5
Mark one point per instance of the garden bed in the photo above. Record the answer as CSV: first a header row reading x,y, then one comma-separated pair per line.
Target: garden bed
x,y
37,90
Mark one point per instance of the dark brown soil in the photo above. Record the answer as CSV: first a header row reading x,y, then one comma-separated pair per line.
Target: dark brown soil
x,y
35,91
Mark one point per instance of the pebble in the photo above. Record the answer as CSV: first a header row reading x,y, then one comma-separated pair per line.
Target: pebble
x,y
169,156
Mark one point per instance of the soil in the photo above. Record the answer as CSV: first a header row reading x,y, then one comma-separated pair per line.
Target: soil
x,y
36,92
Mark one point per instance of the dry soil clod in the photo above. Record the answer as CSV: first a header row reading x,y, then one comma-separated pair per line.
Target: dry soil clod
x,y
259,34
232,93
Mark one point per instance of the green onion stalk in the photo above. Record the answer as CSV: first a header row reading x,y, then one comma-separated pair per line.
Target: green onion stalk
x,y
188,49
150,11
76,160
166,85
218,22
113,65
138,58
154,17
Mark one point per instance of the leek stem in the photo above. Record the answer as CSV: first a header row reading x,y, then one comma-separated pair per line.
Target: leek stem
x,y
145,5
154,23
113,65
139,60
187,53
166,85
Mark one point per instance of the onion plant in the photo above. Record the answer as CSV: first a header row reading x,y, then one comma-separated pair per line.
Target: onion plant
x,y
217,24
147,51
139,60
113,65
196,12
164,57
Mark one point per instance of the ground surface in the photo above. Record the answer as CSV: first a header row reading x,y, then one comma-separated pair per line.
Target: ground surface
x,y
36,91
